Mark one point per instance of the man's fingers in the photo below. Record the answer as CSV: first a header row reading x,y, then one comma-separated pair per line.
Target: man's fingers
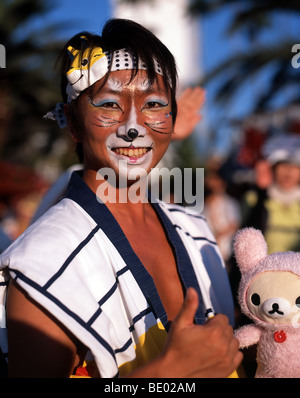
x,y
188,310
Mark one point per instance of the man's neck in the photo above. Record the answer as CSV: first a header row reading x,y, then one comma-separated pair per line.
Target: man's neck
x,y
130,201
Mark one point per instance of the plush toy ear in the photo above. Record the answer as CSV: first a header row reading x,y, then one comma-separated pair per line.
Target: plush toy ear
x,y
249,247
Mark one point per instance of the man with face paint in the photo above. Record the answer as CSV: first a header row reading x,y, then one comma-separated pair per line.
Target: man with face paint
x,y
119,288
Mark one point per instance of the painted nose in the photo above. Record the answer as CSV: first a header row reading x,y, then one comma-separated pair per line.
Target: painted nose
x,y
132,133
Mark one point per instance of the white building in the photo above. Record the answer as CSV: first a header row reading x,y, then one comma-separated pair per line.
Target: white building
x,y
169,21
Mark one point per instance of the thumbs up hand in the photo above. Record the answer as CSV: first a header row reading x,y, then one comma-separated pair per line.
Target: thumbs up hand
x,y
191,350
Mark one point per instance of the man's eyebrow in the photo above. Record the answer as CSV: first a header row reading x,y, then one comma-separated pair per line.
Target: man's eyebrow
x,y
147,87
115,84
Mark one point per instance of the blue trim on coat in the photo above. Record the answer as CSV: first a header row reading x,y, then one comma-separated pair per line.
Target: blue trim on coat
x,y
79,192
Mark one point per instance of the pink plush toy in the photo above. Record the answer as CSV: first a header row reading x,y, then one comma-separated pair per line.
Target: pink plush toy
x,y
269,294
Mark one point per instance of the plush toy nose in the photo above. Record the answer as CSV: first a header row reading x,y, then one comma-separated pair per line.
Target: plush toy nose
x,y
276,307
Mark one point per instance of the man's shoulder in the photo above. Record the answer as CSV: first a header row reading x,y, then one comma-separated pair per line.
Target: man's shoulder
x,y
62,217
63,225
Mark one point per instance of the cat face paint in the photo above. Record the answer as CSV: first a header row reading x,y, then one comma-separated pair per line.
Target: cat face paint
x,y
127,121
155,113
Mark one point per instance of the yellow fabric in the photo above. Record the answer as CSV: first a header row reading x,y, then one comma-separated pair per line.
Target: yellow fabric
x,y
234,375
283,226
149,346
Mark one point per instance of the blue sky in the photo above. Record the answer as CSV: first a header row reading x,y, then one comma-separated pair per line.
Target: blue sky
x,y
215,46
83,15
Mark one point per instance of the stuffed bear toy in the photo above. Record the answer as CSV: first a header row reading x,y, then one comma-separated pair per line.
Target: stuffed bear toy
x,y
269,294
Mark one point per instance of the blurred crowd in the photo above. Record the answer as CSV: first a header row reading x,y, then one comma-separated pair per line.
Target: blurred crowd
x,y
270,202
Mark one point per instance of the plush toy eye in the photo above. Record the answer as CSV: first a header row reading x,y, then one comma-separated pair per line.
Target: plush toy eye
x,y
298,301
256,299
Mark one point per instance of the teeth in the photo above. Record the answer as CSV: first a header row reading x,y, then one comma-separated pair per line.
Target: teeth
x,y
137,152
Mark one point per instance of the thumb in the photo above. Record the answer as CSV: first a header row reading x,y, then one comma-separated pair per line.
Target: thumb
x,y
188,309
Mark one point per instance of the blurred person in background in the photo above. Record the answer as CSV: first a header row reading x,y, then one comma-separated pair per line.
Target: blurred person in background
x,y
222,212
273,206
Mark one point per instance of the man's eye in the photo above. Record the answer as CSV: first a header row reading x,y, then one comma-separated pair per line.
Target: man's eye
x,y
109,105
154,104
105,104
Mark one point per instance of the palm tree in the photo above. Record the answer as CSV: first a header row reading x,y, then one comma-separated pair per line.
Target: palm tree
x,y
263,66
251,17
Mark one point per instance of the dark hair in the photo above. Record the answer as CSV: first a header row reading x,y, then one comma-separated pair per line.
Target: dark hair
x,y
139,41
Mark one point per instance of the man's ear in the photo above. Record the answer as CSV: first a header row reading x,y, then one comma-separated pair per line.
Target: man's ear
x,y
72,129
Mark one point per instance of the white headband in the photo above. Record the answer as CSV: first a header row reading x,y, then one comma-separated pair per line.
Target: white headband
x,y
85,75
87,69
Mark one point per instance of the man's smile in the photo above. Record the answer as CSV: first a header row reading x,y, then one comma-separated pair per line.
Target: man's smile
x,y
131,151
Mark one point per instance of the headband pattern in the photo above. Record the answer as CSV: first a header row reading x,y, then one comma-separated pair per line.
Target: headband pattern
x,y
84,74
88,67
